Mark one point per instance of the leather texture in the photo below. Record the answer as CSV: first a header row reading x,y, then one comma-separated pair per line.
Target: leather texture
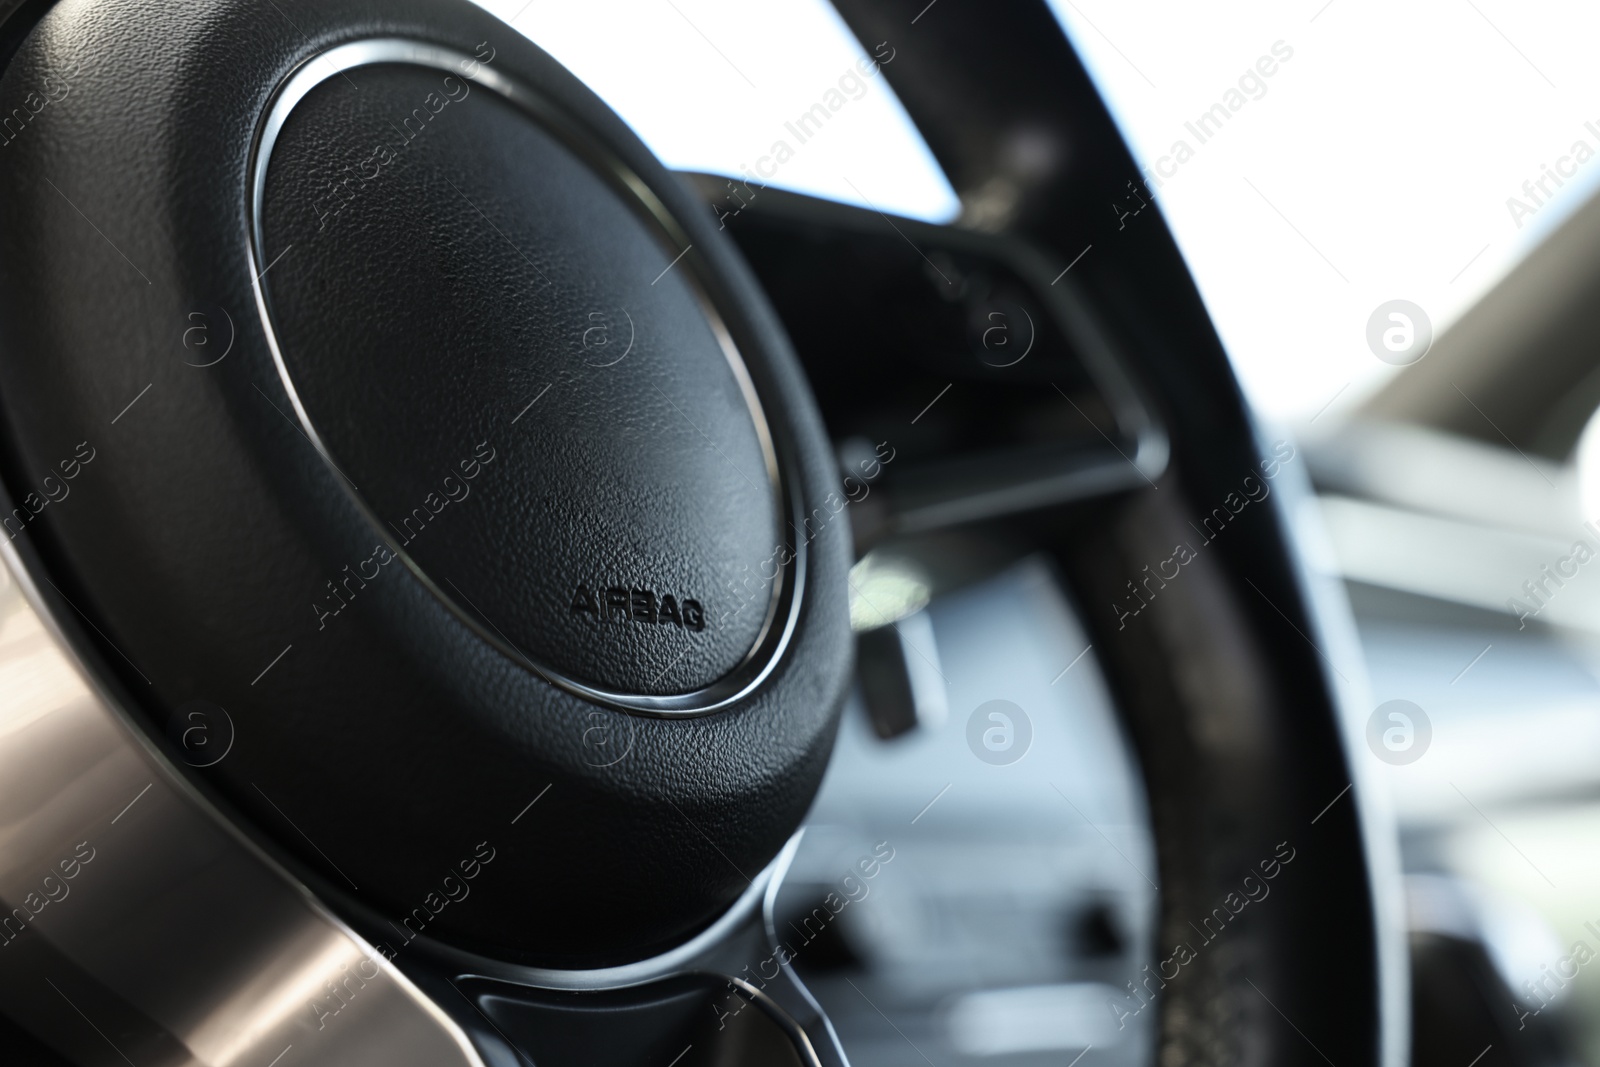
x,y
381,748
518,379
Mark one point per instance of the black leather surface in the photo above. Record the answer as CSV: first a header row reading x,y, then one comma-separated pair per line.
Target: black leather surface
x,y
380,747
490,342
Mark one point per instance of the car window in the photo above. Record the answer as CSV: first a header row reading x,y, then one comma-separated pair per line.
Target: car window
x,y
781,92
1318,159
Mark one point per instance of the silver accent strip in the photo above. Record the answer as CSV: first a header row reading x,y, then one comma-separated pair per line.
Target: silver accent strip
x,y
744,938
772,639
1333,627
753,904
176,927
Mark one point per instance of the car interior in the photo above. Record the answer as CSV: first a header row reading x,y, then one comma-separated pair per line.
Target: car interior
x,y
491,581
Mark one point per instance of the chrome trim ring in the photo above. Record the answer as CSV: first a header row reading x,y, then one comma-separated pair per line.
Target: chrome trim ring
x,y
783,607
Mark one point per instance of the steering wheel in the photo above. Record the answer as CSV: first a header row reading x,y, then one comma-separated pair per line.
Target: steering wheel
x,y
391,445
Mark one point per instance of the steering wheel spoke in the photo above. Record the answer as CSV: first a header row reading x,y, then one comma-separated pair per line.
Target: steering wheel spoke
x,y
729,996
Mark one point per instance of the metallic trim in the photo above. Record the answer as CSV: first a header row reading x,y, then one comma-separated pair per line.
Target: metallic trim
x,y
753,904
257,984
772,639
745,936
179,930
1332,627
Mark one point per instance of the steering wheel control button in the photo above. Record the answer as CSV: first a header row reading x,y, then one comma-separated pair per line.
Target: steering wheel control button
x,y
501,348
1399,332
1399,732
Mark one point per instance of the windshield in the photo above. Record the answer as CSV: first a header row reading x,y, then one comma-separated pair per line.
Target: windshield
x,y
1317,160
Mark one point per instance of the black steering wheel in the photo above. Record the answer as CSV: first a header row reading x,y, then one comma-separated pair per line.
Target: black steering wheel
x,y
383,425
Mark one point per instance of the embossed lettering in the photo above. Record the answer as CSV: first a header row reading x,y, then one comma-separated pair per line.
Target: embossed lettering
x,y
669,611
620,603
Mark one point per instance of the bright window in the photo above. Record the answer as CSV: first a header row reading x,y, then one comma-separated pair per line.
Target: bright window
x,y
718,85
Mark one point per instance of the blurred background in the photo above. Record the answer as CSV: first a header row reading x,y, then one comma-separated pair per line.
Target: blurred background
x,y
1324,165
